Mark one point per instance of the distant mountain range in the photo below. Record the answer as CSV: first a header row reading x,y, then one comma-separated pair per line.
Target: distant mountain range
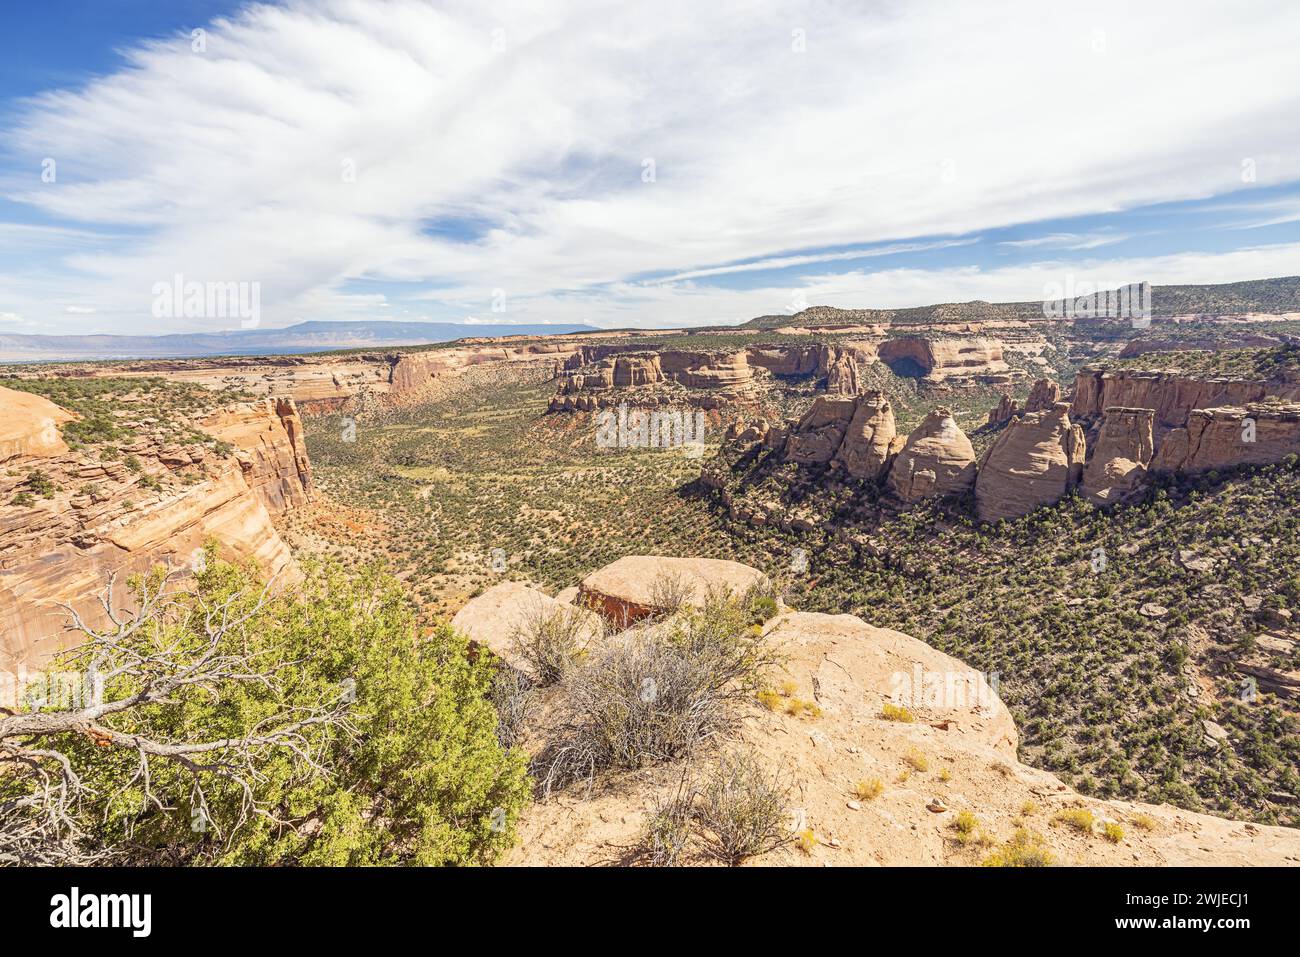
x,y
1275,296
302,337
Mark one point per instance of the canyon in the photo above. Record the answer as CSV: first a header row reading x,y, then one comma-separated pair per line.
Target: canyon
x,y
159,503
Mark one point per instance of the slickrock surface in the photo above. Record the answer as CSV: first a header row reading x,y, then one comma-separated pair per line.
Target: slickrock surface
x,y
936,460
1121,457
105,518
624,591
1033,462
964,738
29,426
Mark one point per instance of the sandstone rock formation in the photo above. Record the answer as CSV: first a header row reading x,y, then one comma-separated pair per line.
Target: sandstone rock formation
x,y
1031,463
494,617
106,518
817,436
1044,394
869,438
1171,394
29,426
937,459
1223,438
941,359
853,669
627,590
1003,411
1121,456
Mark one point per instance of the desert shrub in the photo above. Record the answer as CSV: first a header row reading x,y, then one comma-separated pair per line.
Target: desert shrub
x,y
656,695
1025,849
1079,818
670,593
512,697
1144,821
869,789
917,761
894,712
667,830
552,642
1112,832
743,807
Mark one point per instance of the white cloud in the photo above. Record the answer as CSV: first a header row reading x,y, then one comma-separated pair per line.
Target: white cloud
x,y
909,120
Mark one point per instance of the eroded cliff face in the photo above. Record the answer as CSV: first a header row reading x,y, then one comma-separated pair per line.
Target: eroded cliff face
x,y
157,503
1223,438
1170,394
939,360
1121,457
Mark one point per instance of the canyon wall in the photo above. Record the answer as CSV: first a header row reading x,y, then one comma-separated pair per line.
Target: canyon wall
x,y
158,503
1171,394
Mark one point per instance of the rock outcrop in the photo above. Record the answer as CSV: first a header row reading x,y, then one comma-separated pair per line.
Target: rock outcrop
x,y
1171,394
494,618
818,435
1121,456
1031,463
938,360
1003,411
29,427
869,437
105,517
629,589
936,460
853,670
1044,394
1223,438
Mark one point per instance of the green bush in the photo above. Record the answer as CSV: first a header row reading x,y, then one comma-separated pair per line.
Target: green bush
x,y
419,778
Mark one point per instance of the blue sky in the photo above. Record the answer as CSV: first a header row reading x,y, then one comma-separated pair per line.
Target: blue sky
x,y
494,162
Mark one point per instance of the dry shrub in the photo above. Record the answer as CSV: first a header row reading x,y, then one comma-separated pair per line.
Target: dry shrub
x,y
656,695
744,808
553,642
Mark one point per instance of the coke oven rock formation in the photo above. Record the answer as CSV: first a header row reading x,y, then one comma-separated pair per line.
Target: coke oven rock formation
x,y
1035,460
937,459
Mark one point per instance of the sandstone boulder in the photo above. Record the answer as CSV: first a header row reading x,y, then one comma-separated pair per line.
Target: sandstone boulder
x,y
1032,463
494,617
626,590
937,459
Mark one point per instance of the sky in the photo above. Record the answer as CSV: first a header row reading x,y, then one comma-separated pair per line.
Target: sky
x,y
631,165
